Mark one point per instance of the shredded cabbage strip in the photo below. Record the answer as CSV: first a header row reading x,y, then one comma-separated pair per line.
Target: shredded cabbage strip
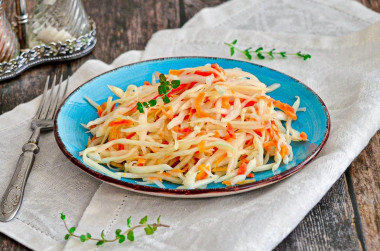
x,y
220,126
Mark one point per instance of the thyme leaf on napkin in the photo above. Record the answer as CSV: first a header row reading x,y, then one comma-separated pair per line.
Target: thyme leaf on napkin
x,y
163,89
120,235
262,54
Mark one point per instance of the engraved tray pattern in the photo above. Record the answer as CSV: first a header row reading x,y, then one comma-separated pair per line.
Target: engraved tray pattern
x,y
43,53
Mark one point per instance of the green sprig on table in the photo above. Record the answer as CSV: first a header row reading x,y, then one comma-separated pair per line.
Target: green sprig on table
x,y
262,54
163,89
120,235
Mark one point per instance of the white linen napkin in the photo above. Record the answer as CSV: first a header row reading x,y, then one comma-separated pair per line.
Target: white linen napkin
x,y
342,70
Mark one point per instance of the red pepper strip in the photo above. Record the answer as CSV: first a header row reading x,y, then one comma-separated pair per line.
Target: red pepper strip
x,y
250,175
120,146
249,142
130,135
243,167
183,130
259,132
121,122
181,88
250,103
204,73
231,131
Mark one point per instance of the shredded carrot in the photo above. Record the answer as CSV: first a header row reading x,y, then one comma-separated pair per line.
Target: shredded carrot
x,y
120,122
286,108
268,144
284,151
101,108
217,134
88,141
198,106
220,159
201,146
140,161
227,183
218,68
202,173
220,169
250,175
245,182
146,83
225,103
303,136
154,178
169,114
114,133
177,170
202,133
176,72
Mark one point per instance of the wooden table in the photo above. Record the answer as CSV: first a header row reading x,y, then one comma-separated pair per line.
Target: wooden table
x,y
347,218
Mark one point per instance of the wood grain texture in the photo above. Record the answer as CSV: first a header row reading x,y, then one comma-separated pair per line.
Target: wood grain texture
x,y
329,226
364,173
128,24
372,4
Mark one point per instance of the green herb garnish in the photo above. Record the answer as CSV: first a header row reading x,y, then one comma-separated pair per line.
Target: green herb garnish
x,y
163,89
120,235
261,54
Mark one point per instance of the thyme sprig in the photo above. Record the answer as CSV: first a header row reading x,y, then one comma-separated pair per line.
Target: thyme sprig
x,y
261,54
120,235
163,89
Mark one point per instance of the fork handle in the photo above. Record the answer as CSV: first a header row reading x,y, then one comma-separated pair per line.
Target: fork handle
x,y
12,198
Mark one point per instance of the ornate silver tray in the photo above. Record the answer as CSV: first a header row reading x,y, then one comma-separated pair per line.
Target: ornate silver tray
x,y
43,53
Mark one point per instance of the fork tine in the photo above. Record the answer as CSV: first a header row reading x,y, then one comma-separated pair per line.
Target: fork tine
x,y
42,99
63,95
47,103
55,100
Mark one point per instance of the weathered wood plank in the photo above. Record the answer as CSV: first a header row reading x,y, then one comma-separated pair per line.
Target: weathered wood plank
x,y
364,173
329,226
191,7
127,25
372,4
121,25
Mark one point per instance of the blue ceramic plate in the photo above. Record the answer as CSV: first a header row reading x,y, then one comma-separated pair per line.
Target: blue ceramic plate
x,y
72,137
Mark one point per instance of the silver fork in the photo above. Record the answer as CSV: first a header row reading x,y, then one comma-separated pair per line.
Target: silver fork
x,y
41,122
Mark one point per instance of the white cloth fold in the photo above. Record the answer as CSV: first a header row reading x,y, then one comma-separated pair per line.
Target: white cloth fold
x,y
343,71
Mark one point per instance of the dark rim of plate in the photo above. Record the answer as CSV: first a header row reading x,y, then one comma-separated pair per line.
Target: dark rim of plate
x,y
192,192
